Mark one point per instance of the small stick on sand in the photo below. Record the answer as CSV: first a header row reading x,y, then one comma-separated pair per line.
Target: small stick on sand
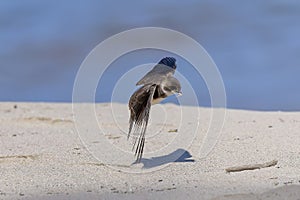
x,y
252,167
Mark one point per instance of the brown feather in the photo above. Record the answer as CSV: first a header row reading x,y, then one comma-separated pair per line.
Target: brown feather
x,y
139,105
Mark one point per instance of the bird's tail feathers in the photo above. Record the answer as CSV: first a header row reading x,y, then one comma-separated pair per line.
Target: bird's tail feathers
x,y
140,104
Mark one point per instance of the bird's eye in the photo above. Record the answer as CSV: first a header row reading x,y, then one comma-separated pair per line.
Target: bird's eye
x,y
167,89
173,88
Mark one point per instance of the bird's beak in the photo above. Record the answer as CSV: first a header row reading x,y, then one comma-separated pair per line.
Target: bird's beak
x,y
179,94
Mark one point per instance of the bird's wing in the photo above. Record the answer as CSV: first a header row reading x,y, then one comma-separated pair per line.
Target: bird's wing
x,y
156,75
139,105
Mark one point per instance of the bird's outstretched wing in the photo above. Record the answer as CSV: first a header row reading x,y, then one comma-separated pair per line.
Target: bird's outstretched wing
x,y
159,73
139,105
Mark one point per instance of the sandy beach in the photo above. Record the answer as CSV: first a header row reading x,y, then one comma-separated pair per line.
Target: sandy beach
x,y
42,155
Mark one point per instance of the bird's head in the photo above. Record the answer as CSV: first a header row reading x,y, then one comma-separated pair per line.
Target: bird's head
x,y
172,86
168,61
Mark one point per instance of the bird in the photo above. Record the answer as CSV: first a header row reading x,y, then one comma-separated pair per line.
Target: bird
x,y
156,85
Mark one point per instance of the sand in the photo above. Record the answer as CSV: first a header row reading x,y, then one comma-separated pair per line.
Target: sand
x,y
42,155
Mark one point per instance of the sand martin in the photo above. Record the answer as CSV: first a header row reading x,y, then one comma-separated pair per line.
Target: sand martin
x,y
157,85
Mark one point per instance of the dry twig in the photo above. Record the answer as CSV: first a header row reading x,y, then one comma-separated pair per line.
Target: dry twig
x,y
252,166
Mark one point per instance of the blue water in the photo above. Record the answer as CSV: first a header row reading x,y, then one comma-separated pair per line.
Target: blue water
x,y
255,44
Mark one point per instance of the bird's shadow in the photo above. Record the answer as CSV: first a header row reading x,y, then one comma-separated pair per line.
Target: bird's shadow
x,y
180,155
